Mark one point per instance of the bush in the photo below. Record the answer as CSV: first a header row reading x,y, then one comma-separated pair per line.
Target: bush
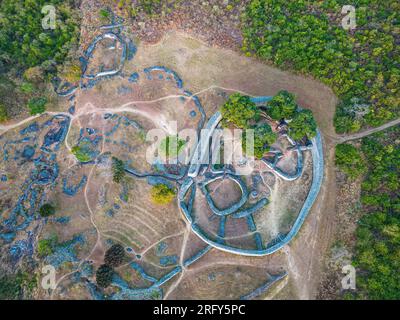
x,y
349,160
239,110
81,154
10,289
114,255
47,210
118,170
104,276
45,247
37,105
162,194
305,36
72,73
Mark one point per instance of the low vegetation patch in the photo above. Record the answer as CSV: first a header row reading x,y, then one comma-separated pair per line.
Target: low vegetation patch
x,y
162,194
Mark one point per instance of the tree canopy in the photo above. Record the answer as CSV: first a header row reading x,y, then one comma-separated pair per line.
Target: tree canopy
x,y
264,137
104,275
302,125
115,255
307,36
239,110
282,106
349,160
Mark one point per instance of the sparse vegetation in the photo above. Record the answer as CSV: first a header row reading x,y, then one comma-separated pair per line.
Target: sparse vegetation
x,y
162,194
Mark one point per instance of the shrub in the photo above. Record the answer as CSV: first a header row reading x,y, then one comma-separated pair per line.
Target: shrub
x,y
114,255
349,160
37,105
264,137
81,154
162,194
45,247
27,87
47,210
72,73
104,275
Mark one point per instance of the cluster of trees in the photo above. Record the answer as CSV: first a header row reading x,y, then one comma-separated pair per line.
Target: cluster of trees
x,y
308,37
153,8
349,160
283,106
377,255
118,169
240,111
25,43
378,234
162,194
16,286
31,55
113,257
46,246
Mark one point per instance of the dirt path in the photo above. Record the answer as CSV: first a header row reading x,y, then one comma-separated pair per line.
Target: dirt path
x,y
368,132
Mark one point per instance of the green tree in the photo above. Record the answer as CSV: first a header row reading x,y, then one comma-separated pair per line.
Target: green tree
x,y
45,247
104,275
349,160
47,210
162,194
239,110
282,106
118,169
114,255
303,125
264,137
